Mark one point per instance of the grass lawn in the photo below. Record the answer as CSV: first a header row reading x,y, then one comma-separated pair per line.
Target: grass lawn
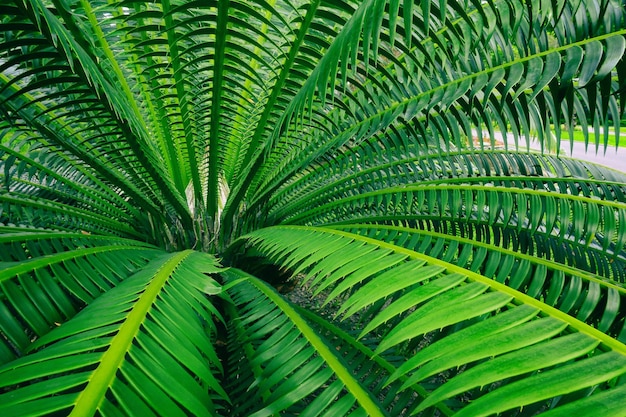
x,y
579,136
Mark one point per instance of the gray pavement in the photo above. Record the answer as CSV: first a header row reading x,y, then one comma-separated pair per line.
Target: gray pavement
x,y
611,157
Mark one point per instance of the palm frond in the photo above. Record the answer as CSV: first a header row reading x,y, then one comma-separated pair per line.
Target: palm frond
x,y
404,296
110,128
144,346
372,157
42,281
288,346
520,90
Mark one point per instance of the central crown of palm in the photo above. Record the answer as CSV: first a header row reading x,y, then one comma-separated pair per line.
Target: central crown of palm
x,y
375,151
207,119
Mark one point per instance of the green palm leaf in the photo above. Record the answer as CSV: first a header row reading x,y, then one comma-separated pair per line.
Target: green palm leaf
x,y
43,280
124,342
445,297
281,396
363,170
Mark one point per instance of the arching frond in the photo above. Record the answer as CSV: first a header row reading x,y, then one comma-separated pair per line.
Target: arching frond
x,y
386,180
495,333
142,347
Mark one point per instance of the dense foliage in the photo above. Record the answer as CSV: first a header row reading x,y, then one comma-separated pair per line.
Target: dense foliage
x,y
307,207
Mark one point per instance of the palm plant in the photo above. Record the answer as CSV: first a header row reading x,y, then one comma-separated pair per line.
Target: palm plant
x,y
171,169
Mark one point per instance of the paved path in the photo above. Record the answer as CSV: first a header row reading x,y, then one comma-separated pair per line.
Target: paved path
x,y
612,158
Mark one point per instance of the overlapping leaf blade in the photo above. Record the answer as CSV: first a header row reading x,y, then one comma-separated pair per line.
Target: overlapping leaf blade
x,y
141,341
472,305
189,124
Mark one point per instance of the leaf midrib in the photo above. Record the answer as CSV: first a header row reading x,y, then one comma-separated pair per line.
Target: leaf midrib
x,y
520,297
325,208
352,385
94,393
47,260
588,276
